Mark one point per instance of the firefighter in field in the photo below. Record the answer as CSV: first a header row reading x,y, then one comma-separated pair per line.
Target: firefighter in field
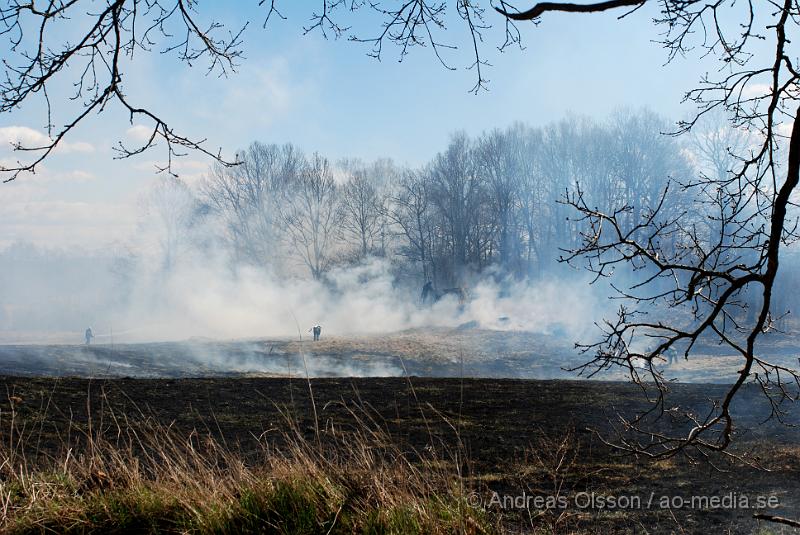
x,y
669,355
317,331
672,356
428,293
88,335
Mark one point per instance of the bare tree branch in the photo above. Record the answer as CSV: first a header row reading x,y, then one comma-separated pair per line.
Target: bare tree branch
x,y
566,7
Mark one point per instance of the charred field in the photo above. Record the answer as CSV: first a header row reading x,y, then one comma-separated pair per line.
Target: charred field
x,y
460,450
463,351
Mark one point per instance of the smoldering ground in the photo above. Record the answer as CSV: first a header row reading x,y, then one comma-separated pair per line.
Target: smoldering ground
x,y
364,299
206,318
149,322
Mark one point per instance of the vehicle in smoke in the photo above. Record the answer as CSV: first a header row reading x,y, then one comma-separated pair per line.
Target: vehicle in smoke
x,y
431,295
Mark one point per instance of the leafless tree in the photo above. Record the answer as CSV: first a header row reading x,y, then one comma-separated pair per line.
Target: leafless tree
x,y
501,163
642,158
39,52
716,147
409,211
170,212
363,212
246,198
311,215
457,190
560,159
707,279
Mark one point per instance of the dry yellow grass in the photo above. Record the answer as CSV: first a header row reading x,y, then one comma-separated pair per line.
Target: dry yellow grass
x,y
152,478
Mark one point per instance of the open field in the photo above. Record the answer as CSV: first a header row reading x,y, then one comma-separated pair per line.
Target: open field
x,y
487,436
465,351
435,430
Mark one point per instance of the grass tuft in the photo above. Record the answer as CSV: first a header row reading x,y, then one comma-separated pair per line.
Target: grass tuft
x,y
152,478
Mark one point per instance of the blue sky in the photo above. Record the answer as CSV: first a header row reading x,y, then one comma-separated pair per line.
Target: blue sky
x,y
329,96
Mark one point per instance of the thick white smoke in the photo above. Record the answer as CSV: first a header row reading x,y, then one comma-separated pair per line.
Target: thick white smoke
x,y
52,296
206,299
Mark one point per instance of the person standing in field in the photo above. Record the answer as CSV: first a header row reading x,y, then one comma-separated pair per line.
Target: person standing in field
x,y
88,335
316,330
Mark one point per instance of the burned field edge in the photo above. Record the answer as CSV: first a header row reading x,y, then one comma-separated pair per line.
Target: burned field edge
x,y
429,352
498,435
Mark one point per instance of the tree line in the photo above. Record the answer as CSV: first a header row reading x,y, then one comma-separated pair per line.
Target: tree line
x,y
485,204
489,204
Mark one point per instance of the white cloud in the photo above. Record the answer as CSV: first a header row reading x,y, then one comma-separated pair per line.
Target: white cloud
x,y
23,135
20,192
756,90
139,132
59,223
77,146
30,137
44,174
77,176
178,164
785,129
269,85
263,93
190,171
56,208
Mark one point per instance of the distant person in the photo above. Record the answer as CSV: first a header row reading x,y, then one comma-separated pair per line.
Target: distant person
x,y
669,355
317,331
672,356
427,291
88,335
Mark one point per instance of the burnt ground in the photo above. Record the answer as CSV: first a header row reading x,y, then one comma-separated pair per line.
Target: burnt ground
x,y
465,351
508,429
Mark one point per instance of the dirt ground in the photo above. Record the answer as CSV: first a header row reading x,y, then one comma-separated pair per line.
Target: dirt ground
x,y
509,431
